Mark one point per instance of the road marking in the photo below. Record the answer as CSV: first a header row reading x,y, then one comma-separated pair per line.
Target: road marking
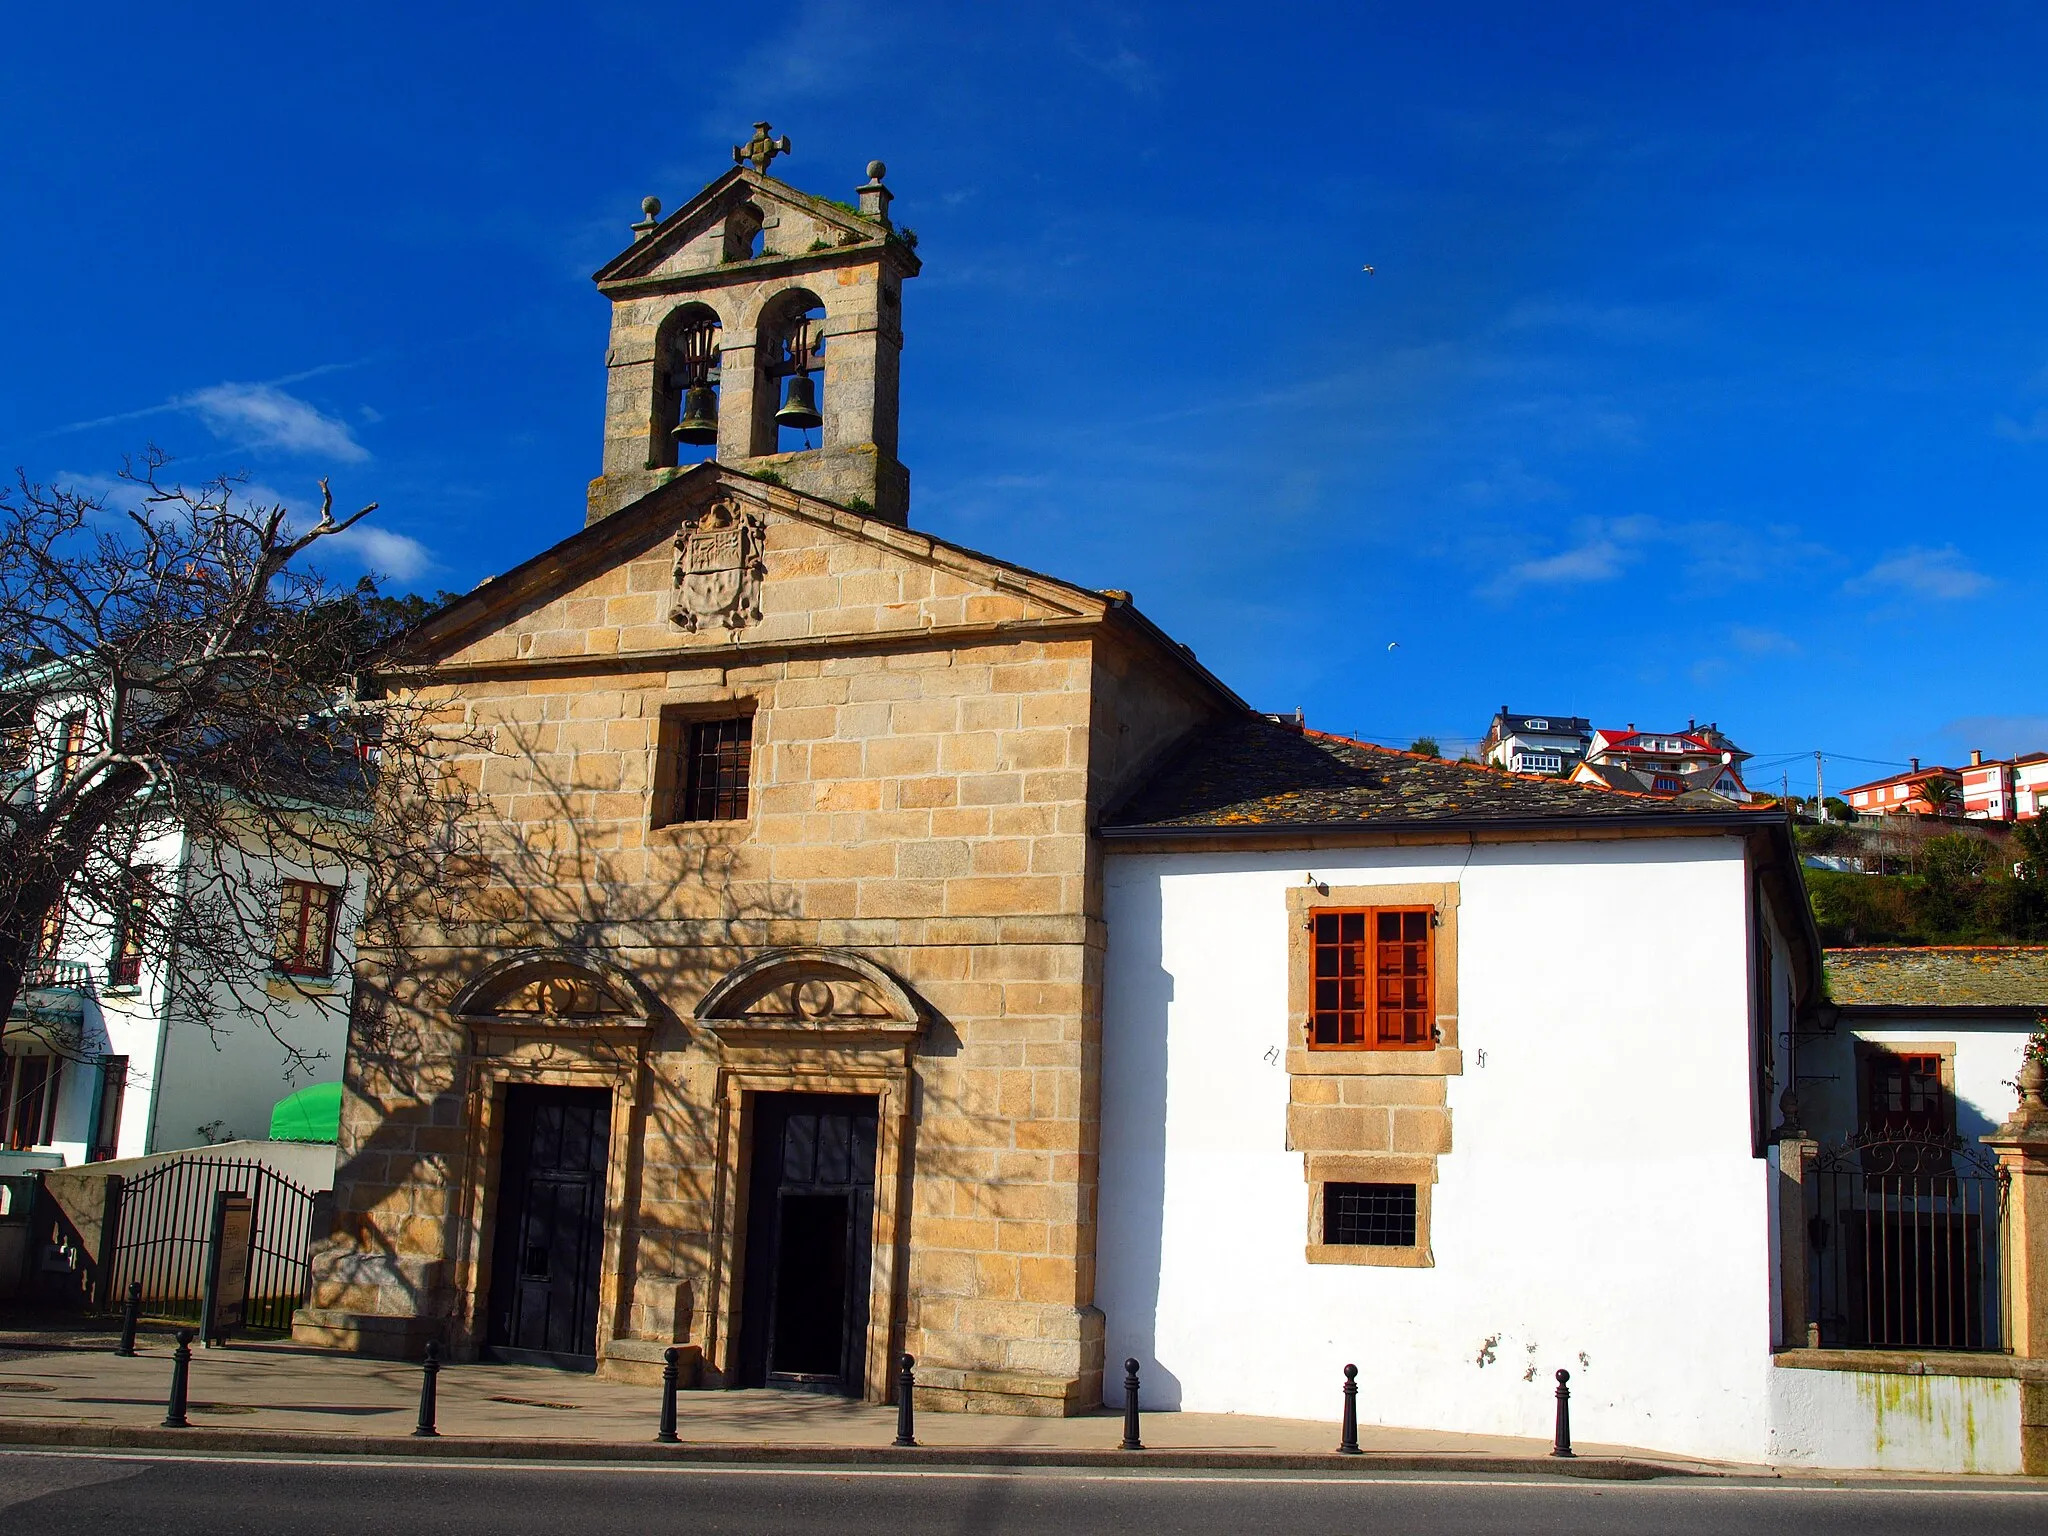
x,y
1561,1483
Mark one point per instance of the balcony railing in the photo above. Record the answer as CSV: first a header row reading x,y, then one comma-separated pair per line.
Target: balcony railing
x,y
73,975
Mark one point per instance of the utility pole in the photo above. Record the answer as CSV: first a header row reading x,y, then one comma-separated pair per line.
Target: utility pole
x,y
1820,789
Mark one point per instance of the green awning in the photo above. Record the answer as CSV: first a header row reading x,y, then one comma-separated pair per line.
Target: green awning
x,y
311,1114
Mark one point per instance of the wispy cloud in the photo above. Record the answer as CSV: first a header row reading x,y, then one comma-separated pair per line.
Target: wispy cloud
x,y
1598,556
1120,65
1943,574
1752,641
2000,735
1510,482
192,401
382,552
264,416
2032,430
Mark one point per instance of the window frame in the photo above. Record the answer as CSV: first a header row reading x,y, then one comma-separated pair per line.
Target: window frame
x,y
675,740
297,964
1324,1170
1875,1056
1372,1035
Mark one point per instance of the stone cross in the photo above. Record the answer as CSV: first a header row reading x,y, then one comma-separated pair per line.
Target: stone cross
x,y
762,149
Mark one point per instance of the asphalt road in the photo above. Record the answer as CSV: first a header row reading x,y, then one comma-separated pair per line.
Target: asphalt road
x,y
55,1495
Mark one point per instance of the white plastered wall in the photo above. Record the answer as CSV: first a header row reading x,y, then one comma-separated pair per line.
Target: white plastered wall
x,y
1600,1209
220,1081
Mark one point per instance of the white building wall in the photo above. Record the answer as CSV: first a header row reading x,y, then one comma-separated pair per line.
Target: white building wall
x,y
1600,1210
1895,1423
221,1081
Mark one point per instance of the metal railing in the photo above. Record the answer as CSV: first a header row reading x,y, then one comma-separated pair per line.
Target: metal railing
x,y
1906,1241
164,1223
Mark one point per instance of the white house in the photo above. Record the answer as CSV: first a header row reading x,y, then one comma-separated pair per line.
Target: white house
x,y
1466,1080
1535,743
106,1052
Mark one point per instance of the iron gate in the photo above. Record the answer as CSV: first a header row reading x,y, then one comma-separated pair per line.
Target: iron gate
x,y
1906,1238
164,1222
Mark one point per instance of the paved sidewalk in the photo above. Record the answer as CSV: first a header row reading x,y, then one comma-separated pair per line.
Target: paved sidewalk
x,y
72,1389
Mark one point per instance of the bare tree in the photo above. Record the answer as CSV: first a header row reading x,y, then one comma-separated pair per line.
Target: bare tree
x,y
177,670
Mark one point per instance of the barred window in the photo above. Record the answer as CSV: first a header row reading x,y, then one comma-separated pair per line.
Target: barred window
x,y
305,928
714,777
1369,1215
1371,980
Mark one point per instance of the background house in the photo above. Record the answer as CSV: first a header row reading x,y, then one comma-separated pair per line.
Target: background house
x,y
110,1049
1667,763
1535,743
1916,792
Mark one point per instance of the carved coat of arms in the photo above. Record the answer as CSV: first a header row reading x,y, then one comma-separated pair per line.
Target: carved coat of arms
x,y
719,568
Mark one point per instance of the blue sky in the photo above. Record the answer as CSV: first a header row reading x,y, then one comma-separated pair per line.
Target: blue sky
x,y
1703,373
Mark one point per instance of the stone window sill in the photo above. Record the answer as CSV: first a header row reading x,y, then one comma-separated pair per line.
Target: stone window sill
x,y
1911,1362
1417,1257
1444,1061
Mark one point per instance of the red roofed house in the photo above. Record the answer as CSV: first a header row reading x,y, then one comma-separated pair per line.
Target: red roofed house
x,y
1666,763
1901,794
2030,785
1988,790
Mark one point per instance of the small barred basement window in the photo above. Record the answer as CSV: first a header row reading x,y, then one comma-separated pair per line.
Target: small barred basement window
x,y
1369,1215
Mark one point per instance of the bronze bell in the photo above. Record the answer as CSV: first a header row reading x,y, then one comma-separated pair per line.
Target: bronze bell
x,y
700,416
800,404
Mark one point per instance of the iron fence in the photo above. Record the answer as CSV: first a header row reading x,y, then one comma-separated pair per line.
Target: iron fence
x,y
164,1223
1906,1236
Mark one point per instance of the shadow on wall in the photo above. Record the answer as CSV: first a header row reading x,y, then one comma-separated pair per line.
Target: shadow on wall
x,y
545,870
1129,1234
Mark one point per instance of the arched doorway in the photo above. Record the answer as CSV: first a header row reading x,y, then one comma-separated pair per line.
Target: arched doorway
x,y
555,1112
817,1044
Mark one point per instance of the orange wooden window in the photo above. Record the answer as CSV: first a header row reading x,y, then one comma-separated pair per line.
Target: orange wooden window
x,y
305,928
1371,987
1906,1095
70,749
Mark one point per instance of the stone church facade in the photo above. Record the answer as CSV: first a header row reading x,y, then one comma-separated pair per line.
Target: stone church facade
x,y
772,1028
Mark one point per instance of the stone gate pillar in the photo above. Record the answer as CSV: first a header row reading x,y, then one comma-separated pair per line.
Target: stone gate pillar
x,y
2022,1147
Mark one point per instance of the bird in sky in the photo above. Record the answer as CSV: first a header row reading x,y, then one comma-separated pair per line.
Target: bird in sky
x,y
1369,271
1393,645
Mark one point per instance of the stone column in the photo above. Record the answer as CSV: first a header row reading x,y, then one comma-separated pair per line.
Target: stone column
x,y
1796,1158
2022,1147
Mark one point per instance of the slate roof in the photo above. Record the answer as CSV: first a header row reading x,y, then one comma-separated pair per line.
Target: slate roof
x,y
1940,976
1253,772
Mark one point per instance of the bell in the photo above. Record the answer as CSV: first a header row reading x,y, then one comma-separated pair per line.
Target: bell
x,y
700,416
800,404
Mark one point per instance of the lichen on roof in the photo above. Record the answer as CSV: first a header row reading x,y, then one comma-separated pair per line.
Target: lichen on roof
x,y
1252,771
1951,976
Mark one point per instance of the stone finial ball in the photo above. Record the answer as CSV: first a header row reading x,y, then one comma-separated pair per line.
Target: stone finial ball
x,y
877,170
651,206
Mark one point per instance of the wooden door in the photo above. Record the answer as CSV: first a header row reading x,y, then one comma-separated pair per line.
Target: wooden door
x,y
550,1233
810,1234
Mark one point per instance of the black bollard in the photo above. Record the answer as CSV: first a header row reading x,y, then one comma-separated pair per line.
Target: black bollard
x,y
1348,1446
181,1381
1563,1445
131,1314
669,1381
906,1402
430,1370
1131,1440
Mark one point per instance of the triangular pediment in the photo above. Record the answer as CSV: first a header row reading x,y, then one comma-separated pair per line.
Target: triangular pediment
x,y
691,240
715,560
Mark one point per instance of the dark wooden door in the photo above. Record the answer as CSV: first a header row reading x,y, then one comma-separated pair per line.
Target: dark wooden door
x,y
810,1228
550,1233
